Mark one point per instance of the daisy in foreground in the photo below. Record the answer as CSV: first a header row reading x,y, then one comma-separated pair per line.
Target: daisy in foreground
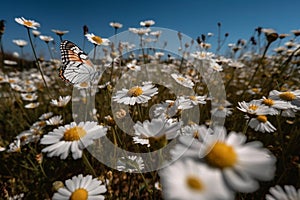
x,y
190,180
240,163
81,188
136,94
72,138
289,193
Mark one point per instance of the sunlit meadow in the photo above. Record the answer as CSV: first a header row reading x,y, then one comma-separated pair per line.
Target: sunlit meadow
x,y
244,146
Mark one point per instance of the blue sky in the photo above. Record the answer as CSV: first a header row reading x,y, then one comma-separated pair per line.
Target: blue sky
x,y
239,18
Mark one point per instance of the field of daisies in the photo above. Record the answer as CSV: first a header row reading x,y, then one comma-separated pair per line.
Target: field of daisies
x,y
151,124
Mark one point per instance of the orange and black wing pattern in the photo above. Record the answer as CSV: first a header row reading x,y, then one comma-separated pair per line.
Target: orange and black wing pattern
x,y
77,67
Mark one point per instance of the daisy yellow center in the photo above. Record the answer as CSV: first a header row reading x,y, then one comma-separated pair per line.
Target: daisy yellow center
x,y
194,183
23,138
181,79
255,90
287,96
74,133
196,134
42,123
221,156
253,107
29,89
268,102
135,91
79,194
262,118
28,23
158,142
28,96
221,108
97,39
193,98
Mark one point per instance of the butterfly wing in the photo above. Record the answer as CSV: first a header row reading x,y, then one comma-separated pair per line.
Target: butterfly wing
x,y
77,67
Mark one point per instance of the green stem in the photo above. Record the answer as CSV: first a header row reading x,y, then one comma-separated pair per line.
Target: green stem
x,y
49,50
94,59
2,51
88,164
246,127
42,170
38,64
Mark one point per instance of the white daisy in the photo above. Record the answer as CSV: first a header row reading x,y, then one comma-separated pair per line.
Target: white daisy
x,y
55,120
97,40
27,23
20,43
292,98
215,66
29,96
133,66
39,124
275,105
241,164
221,110
36,33
203,55
147,23
3,78
32,105
59,32
80,187
27,136
15,146
158,131
46,116
236,64
72,138
116,25
261,124
167,109
46,39
186,82
130,164
289,96
61,102
193,181
2,148
140,31
136,94
254,107
16,197
191,100
190,138
288,193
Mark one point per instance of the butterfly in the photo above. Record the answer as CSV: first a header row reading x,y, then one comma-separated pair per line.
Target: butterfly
x,y
77,67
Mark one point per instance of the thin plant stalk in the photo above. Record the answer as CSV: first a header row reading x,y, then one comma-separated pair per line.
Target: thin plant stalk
x,y
51,56
38,64
88,164
2,51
